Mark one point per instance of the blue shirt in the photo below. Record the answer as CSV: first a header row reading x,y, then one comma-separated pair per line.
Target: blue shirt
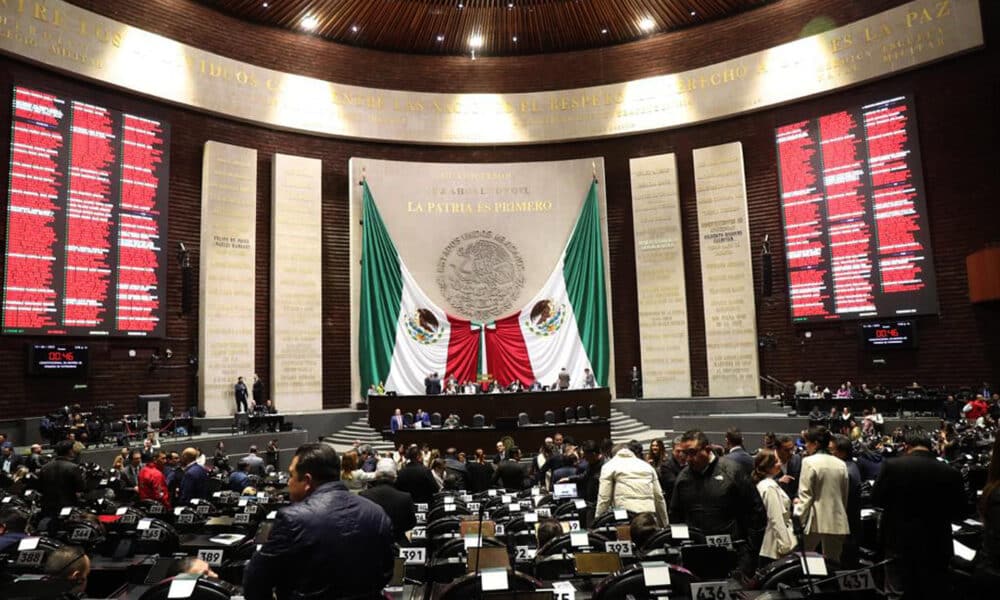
x,y
194,483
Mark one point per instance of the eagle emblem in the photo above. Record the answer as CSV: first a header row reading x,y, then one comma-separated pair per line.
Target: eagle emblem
x,y
546,318
423,327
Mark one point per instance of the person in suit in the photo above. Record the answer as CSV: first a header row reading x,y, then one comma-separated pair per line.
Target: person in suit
x,y
735,451
396,421
240,392
258,392
791,466
920,498
415,478
842,448
255,461
822,502
194,481
130,474
398,505
9,461
61,480
510,473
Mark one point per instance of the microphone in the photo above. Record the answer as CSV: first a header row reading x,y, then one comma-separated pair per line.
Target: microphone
x,y
479,546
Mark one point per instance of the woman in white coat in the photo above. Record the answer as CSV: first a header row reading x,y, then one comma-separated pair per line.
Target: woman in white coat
x,y
779,538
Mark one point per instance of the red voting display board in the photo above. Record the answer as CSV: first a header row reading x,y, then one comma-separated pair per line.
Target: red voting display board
x,y
852,198
86,220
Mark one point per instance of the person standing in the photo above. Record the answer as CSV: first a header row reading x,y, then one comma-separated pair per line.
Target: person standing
x,y
588,379
194,481
779,539
241,393
152,483
563,380
255,461
329,543
510,473
397,505
415,478
396,421
130,474
714,496
61,480
259,393
791,467
822,502
920,498
987,570
842,448
629,482
636,383
735,451
272,454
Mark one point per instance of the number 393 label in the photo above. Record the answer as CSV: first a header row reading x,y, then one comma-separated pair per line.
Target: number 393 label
x,y
621,548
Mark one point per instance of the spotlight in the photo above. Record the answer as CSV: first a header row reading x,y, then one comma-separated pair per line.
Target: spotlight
x,y
309,23
647,24
475,41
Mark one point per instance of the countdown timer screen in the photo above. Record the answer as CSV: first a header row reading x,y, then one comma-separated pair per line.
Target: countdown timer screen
x,y
857,243
86,220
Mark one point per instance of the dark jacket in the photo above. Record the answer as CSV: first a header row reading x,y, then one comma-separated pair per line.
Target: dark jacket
x,y
194,484
793,468
988,557
396,504
480,476
59,482
741,458
721,500
511,474
333,544
920,497
668,471
417,480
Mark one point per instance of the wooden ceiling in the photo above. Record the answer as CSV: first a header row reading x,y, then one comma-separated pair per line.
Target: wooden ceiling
x,y
505,27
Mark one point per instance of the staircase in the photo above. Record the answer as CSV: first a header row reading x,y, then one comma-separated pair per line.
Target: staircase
x,y
359,430
625,428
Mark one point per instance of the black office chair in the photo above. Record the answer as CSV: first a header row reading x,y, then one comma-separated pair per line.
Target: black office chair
x,y
569,414
523,419
81,532
594,413
478,420
787,571
709,562
563,543
436,419
204,589
443,526
469,587
608,518
456,548
630,583
581,413
408,419
550,417
441,512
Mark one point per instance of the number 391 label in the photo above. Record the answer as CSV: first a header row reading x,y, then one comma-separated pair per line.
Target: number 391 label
x,y
413,556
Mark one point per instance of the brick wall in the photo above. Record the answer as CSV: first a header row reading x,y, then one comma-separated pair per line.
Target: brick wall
x,y
957,106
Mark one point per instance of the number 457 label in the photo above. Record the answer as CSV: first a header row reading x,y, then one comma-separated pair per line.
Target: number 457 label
x,y
856,580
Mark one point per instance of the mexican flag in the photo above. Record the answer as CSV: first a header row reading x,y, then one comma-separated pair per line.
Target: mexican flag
x,y
403,336
566,323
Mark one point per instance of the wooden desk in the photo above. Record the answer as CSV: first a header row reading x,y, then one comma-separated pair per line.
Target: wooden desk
x,y
491,406
529,439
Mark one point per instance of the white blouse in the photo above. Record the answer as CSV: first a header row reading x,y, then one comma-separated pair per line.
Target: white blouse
x,y
779,539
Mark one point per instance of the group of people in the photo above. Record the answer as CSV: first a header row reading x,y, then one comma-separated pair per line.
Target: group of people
x,y
434,385
259,404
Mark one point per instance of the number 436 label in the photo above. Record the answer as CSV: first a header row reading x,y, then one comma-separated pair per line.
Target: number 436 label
x,y
711,590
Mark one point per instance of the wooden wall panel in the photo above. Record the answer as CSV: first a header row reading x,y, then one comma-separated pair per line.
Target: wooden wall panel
x,y
957,103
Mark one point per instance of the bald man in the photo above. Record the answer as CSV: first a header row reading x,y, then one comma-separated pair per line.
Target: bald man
x,y
194,482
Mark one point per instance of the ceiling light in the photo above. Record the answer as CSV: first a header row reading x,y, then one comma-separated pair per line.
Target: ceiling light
x,y
514,38
440,38
309,23
354,28
604,31
647,24
265,5
460,5
475,41
510,5
694,14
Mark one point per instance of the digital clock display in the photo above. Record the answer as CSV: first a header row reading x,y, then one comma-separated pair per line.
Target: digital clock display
x,y
62,360
888,334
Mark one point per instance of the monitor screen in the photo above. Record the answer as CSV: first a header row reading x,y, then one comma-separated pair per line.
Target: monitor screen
x,y
857,243
86,219
564,490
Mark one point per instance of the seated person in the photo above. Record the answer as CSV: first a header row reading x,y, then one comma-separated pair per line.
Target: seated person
x,y
240,476
548,529
421,419
13,527
69,563
642,527
515,386
536,386
452,422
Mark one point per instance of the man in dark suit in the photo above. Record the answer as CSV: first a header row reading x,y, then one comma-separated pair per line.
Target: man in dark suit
x,y
61,480
841,448
9,460
920,498
329,543
736,453
511,474
791,466
398,505
194,481
416,479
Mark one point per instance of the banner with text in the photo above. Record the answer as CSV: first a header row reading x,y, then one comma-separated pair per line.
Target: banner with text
x,y
296,283
726,271
659,275
226,278
479,241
